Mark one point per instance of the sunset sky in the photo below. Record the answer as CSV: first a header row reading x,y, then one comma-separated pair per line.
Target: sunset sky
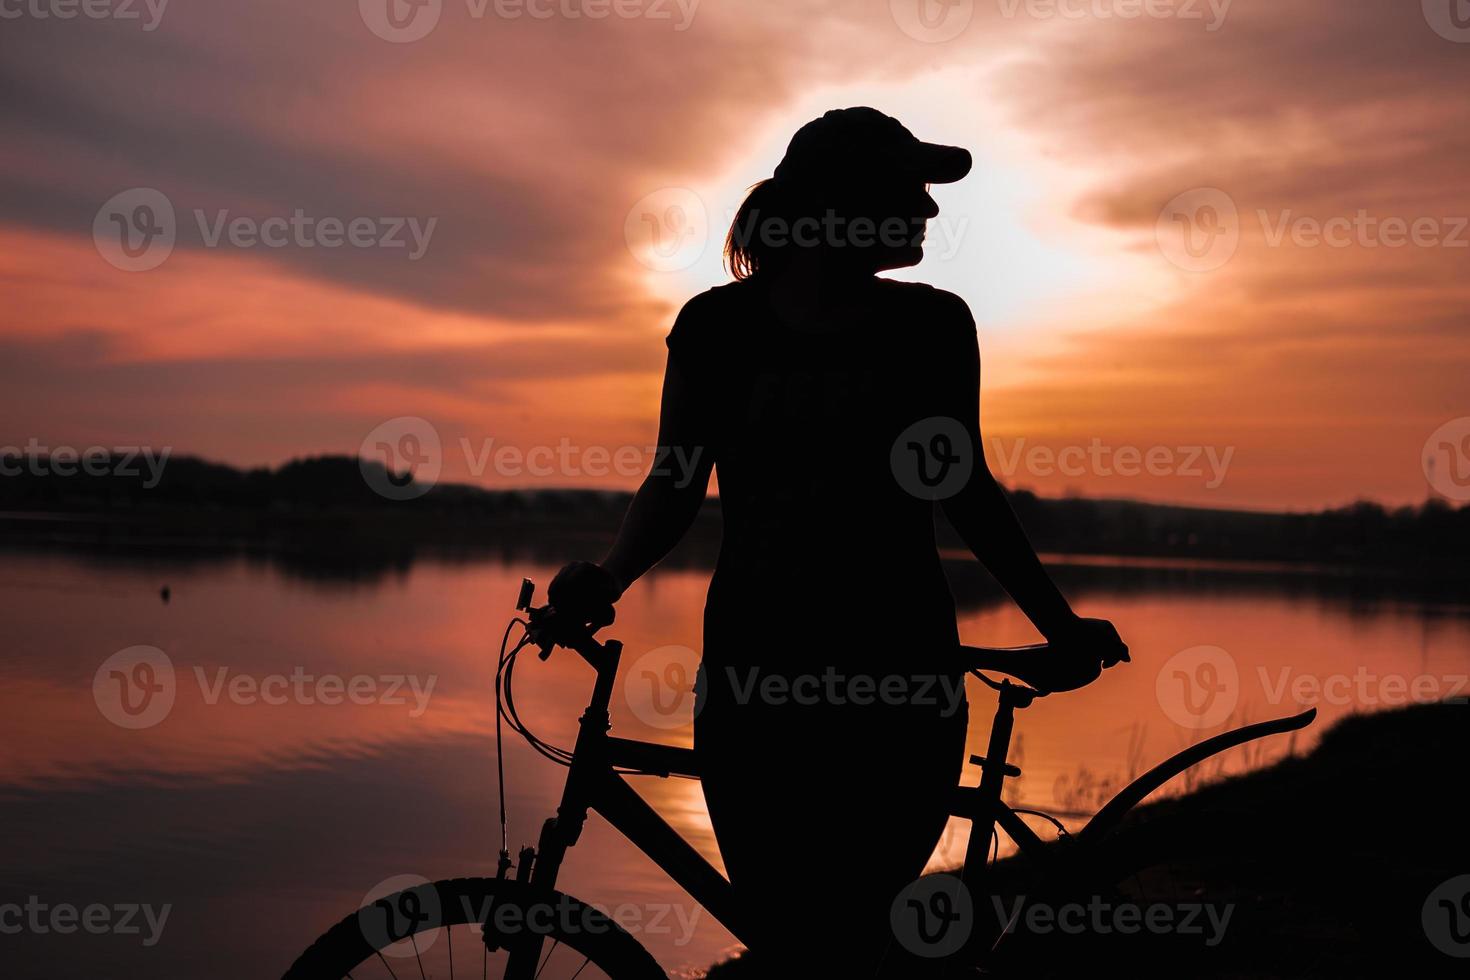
x,y
534,154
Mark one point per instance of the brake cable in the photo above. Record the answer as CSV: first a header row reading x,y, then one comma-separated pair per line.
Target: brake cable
x,y
499,733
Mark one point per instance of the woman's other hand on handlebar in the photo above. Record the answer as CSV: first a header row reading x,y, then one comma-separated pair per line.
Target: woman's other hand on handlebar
x,y
585,592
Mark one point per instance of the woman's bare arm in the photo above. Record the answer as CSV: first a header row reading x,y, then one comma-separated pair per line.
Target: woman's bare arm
x,y
670,496
984,519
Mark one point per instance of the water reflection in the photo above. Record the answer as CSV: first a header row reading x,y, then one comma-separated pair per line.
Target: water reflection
x,y
260,810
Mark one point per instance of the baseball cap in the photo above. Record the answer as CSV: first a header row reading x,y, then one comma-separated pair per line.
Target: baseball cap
x,y
863,142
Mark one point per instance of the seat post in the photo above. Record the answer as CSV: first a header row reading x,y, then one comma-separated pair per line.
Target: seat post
x,y
994,769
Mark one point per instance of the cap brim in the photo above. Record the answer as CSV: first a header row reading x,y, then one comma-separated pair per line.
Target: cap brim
x,y
939,164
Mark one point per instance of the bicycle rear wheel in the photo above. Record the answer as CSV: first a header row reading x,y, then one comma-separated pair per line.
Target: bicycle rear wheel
x,y
440,929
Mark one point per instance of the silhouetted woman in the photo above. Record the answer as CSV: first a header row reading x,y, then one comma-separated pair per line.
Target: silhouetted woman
x,y
838,407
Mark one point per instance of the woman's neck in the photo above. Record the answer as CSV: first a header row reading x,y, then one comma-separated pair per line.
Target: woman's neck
x,y
811,293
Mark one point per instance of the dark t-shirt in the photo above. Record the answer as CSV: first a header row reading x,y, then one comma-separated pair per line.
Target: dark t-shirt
x,y
820,536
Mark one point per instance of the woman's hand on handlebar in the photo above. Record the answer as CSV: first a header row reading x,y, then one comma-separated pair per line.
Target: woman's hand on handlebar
x,y
584,593
1078,652
1097,637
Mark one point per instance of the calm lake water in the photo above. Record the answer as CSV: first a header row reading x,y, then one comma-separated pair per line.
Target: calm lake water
x,y
255,813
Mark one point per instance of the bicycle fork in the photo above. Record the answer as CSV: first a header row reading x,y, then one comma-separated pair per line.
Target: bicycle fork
x,y
559,833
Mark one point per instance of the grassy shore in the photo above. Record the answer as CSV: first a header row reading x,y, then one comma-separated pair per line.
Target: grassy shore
x,y
1325,862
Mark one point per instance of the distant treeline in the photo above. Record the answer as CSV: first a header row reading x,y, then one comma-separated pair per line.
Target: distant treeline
x,y
327,503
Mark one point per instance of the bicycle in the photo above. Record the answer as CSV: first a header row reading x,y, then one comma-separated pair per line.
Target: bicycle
x,y
515,916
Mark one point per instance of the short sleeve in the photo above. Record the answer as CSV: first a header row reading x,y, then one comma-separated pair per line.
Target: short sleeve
x,y
689,338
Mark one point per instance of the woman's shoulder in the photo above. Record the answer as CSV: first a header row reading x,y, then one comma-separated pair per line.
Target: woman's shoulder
x,y
716,301
940,305
704,317
937,322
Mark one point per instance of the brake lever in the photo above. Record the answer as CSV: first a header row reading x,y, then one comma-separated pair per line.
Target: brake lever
x,y
536,624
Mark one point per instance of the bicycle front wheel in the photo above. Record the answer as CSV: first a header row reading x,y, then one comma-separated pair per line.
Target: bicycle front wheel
x,y
473,927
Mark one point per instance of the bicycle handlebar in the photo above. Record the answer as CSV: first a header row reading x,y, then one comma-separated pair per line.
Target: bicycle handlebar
x,y
547,631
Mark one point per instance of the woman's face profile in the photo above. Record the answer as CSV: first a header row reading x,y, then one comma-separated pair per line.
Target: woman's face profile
x,y
887,222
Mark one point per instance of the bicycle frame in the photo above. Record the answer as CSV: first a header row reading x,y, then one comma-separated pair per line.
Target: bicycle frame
x,y
594,784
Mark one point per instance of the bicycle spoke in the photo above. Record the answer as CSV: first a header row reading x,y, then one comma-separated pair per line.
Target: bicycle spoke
x,y
554,944
580,969
386,966
414,939
450,933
